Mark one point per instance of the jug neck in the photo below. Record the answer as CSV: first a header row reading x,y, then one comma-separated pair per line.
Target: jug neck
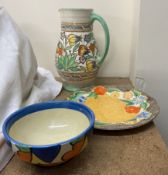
x,y
75,15
76,20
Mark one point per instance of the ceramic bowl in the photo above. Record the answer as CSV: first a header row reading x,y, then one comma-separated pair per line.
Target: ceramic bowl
x,y
48,154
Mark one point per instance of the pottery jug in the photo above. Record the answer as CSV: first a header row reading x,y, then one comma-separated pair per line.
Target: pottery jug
x,y
77,56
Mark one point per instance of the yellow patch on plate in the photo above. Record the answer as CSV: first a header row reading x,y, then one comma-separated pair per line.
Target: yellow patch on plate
x,y
108,109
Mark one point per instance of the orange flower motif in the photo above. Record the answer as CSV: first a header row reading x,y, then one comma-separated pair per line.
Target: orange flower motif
x,y
83,50
92,47
128,95
59,51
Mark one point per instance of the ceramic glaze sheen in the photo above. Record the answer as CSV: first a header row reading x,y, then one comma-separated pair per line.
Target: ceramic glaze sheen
x,y
77,56
49,126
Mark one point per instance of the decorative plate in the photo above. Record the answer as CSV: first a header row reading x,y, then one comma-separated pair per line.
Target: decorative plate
x,y
138,108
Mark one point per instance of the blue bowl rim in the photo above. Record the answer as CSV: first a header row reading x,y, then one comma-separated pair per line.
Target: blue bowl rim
x,y
57,102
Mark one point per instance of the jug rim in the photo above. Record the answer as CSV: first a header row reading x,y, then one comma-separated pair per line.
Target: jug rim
x,y
74,9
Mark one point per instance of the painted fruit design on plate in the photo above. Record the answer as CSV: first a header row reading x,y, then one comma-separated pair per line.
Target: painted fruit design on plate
x,y
111,105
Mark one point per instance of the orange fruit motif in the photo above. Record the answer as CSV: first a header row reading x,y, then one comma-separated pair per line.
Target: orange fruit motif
x,y
76,149
25,156
100,90
132,109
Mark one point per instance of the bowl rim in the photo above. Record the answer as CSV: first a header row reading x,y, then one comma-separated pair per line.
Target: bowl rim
x,y
44,106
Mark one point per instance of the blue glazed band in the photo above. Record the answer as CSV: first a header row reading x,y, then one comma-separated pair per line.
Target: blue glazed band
x,y
44,106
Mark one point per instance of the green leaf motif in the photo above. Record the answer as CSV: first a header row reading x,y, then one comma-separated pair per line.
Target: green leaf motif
x,y
60,64
76,47
67,63
76,95
128,102
68,47
93,94
71,62
144,105
110,89
137,93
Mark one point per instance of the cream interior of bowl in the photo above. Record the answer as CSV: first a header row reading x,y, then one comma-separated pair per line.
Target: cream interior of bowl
x,y
49,126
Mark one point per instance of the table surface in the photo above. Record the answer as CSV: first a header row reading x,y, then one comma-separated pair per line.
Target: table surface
x,y
138,151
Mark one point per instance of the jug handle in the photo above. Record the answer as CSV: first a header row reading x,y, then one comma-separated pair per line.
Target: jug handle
x,y
95,17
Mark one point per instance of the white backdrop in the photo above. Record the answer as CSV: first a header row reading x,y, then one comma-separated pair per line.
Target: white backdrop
x,y
151,63
39,19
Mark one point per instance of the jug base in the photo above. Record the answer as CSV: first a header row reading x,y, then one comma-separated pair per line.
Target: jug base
x,y
71,87
77,81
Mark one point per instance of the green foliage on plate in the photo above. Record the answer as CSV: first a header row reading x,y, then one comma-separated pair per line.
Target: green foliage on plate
x,y
132,98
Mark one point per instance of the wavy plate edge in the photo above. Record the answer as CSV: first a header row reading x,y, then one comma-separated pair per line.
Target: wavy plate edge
x,y
153,108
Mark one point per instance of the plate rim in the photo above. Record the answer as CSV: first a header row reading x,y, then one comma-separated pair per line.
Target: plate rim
x,y
154,109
